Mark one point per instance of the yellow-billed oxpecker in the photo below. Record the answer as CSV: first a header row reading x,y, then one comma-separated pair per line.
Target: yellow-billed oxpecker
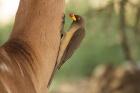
x,y
70,41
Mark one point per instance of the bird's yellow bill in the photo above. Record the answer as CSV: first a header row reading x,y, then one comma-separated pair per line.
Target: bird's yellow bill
x,y
73,17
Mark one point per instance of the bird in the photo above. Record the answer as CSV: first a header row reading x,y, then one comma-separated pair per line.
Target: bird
x,y
70,41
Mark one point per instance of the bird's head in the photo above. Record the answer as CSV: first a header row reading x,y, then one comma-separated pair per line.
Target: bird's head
x,y
77,19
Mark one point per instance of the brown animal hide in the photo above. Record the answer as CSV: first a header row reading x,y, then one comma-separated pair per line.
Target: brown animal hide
x,y
28,57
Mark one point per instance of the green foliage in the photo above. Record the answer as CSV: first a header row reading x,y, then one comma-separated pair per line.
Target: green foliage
x,y
4,33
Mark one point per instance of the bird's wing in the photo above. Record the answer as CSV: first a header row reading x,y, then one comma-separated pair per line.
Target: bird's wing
x,y
72,45
65,40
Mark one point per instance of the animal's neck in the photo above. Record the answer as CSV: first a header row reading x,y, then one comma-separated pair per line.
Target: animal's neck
x,y
38,23
39,15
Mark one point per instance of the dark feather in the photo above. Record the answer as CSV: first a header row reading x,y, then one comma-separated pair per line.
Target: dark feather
x,y
73,45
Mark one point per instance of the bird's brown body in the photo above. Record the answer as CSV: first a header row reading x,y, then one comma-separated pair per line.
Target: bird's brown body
x,y
70,41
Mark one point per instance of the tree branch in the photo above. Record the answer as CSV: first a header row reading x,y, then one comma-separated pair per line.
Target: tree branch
x,y
124,40
136,25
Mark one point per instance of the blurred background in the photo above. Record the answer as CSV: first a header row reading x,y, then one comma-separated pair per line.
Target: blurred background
x,y
112,36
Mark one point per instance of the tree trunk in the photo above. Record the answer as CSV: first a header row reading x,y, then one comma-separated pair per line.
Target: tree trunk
x,y
29,56
124,41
